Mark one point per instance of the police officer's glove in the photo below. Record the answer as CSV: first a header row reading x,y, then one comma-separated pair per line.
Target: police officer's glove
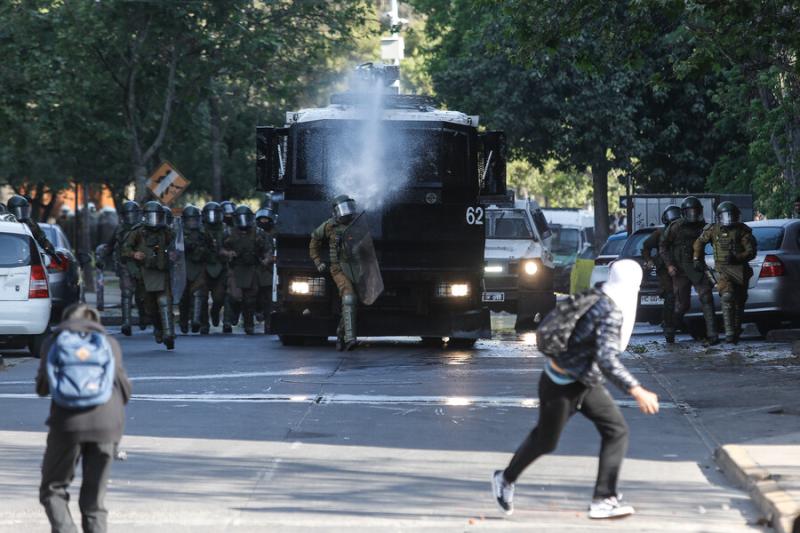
x,y
699,265
321,267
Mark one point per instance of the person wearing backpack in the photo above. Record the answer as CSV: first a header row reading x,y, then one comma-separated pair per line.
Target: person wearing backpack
x,y
81,369
582,339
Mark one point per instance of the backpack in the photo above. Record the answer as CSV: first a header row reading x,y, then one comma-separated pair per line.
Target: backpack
x,y
555,329
80,369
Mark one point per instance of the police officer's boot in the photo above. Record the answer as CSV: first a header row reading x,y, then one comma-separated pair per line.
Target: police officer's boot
x,y
349,321
142,311
340,335
669,318
167,321
184,310
227,315
267,306
215,309
126,313
199,302
738,318
729,316
247,317
712,338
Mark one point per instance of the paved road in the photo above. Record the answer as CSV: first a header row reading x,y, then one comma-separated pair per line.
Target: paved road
x,y
235,433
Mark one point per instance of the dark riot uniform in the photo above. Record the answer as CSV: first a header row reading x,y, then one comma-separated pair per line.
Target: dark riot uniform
x,y
216,267
664,281
245,246
734,246
676,251
154,243
264,302
198,248
130,276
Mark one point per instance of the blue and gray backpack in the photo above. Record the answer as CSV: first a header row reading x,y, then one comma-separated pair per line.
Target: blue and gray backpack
x,y
80,369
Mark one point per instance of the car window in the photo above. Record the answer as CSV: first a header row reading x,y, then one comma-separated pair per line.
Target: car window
x,y
613,247
565,240
768,238
633,245
15,250
541,224
52,235
508,224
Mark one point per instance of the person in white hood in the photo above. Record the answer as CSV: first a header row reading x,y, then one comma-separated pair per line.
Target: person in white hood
x,y
573,382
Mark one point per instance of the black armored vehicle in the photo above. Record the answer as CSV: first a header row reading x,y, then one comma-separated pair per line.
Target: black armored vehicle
x,y
419,173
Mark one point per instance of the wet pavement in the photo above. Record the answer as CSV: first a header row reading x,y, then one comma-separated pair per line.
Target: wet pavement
x,y
236,433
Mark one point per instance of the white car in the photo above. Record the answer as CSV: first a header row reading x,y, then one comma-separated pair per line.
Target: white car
x,y
24,288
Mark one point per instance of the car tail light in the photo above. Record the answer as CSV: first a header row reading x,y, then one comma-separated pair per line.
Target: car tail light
x,y
772,267
38,287
53,266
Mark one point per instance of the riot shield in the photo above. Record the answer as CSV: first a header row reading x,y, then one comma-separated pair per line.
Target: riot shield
x,y
177,263
99,277
360,252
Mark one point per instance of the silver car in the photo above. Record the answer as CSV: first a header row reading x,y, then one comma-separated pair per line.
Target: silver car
x,y
66,285
773,299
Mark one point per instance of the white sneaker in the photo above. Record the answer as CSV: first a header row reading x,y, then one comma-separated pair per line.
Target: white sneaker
x,y
610,507
503,492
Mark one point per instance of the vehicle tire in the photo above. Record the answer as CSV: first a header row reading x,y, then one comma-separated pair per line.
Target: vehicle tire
x,y
461,344
292,340
35,343
763,328
432,342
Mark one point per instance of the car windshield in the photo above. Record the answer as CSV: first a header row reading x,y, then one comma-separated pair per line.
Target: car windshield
x,y
51,234
565,240
613,247
15,251
633,246
508,224
768,238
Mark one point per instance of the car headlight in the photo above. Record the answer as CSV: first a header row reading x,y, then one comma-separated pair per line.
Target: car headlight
x,y
307,286
531,268
493,269
452,290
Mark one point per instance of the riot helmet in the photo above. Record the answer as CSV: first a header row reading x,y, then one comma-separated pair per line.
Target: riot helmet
x,y
131,213
670,214
344,209
243,217
265,218
228,209
154,215
191,217
20,207
212,213
692,209
728,213
169,218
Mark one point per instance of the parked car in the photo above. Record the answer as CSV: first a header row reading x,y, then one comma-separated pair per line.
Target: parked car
x,y
66,285
608,253
650,301
774,291
518,276
24,288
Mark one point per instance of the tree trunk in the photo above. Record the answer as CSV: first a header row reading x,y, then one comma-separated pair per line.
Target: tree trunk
x,y
600,184
215,133
140,180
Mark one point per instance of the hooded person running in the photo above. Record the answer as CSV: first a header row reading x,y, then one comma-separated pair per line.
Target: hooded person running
x,y
575,383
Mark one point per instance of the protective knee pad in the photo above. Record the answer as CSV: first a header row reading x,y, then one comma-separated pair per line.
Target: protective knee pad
x,y
349,299
727,298
162,300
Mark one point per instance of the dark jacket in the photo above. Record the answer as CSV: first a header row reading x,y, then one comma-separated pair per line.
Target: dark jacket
x,y
102,423
594,348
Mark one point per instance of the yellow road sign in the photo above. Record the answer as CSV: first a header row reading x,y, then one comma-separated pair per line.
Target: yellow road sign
x,y
167,183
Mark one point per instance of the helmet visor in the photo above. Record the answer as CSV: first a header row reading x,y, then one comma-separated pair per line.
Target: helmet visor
x,y
243,220
131,217
154,219
22,212
228,209
693,214
726,218
212,216
345,209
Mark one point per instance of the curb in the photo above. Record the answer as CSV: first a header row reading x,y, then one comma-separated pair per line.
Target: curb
x,y
777,505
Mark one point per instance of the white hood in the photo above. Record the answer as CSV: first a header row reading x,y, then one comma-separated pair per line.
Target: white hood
x,y
512,249
624,279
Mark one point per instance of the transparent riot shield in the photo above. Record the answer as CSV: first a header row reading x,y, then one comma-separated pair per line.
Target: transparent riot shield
x,y
99,277
177,263
360,253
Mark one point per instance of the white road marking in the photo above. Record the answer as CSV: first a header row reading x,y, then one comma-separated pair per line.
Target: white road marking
x,y
345,399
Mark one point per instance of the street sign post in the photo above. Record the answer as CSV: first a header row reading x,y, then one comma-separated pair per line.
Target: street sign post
x,y
167,183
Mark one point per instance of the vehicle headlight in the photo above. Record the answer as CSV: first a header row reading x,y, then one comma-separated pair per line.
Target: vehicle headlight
x,y
531,268
493,269
307,286
452,290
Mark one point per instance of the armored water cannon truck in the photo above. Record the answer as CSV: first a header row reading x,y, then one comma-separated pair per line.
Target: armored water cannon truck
x,y
419,173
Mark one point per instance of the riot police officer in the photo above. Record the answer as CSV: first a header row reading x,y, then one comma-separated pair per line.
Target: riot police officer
x,y
265,220
734,246
228,208
216,267
341,267
670,214
20,207
130,276
169,217
245,247
676,250
149,246
198,246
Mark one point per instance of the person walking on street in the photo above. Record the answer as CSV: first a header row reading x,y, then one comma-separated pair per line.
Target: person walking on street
x,y
734,247
86,422
216,267
246,249
599,323
653,260
149,246
677,252
198,247
265,220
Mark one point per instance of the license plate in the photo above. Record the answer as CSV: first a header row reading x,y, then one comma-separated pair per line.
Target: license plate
x,y
494,297
652,300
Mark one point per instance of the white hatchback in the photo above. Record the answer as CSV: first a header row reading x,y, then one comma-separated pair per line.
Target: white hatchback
x,y
24,288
